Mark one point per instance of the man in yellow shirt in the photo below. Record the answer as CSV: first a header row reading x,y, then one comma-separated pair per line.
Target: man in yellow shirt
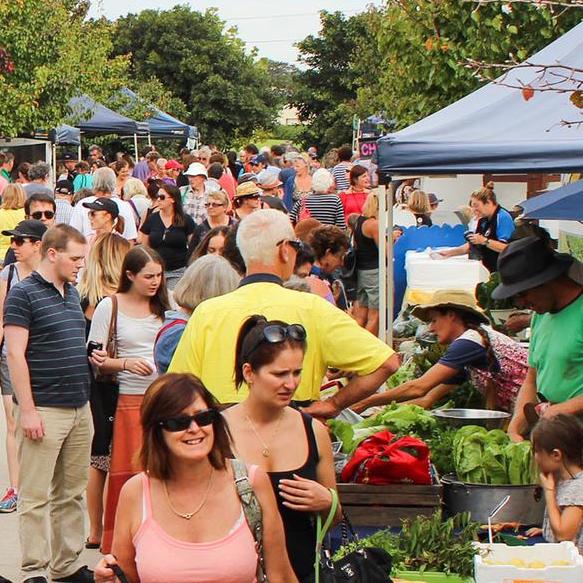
x,y
207,349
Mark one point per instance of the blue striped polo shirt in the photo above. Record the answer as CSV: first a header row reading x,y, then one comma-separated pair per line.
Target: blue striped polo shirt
x,y
56,353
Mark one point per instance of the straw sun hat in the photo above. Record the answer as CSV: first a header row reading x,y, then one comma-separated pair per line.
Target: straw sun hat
x,y
454,299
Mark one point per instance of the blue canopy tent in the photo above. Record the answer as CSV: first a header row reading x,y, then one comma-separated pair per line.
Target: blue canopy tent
x,y
65,135
162,124
494,129
564,203
92,118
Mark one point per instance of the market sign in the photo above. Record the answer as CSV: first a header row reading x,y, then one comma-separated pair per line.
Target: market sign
x,y
366,149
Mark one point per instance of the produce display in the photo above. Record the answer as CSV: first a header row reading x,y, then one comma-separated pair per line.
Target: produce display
x,y
426,544
489,457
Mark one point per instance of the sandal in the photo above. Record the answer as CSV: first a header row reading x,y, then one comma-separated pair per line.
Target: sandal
x,y
90,545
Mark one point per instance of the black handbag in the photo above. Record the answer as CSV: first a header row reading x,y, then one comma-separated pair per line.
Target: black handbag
x,y
104,394
366,565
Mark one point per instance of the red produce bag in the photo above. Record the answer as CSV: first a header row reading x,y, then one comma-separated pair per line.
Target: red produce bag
x,y
383,459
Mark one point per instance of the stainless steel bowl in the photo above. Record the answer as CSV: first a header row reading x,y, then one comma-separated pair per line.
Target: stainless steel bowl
x,y
481,417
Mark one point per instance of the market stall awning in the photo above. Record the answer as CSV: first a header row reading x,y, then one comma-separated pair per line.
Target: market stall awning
x,y
162,124
95,119
66,134
564,203
494,129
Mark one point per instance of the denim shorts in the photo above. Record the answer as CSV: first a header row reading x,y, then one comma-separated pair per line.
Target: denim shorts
x,y
5,376
367,288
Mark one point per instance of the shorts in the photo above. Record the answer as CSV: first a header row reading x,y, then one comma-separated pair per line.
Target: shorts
x,y
5,382
173,277
367,288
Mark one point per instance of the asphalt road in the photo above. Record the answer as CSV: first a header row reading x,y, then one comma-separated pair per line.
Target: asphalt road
x,y
9,539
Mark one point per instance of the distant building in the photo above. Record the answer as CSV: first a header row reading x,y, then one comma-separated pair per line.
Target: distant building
x,y
289,116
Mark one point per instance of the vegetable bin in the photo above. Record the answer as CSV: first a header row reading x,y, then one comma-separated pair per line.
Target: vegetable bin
x,y
526,504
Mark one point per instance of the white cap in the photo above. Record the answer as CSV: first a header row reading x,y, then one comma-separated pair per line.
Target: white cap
x,y
196,169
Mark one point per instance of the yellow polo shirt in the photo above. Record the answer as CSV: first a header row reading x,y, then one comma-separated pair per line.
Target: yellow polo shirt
x,y
334,339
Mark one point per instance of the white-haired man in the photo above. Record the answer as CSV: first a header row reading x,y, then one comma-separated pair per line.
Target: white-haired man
x,y
268,245
104,184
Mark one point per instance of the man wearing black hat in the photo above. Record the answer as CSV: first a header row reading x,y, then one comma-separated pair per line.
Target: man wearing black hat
x,y
542,280
70,161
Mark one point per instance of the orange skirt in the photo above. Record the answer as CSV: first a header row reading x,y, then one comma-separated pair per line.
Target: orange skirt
x,y
126,443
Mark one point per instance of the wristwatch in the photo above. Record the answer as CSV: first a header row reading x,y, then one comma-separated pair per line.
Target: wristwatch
x,y
487,242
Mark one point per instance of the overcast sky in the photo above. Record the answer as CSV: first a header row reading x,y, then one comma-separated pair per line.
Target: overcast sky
x,y
271,25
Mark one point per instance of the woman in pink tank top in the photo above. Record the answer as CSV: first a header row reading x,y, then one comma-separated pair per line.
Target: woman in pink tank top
x,y
181,520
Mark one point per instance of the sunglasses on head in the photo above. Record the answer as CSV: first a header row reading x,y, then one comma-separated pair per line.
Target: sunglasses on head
x,y
19,241
38,215
213,204
183,422
295,244
276,333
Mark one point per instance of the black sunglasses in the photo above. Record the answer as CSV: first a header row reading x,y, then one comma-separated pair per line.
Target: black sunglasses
x,y
161,197
38,215
295,244
183,422
18,241
276,333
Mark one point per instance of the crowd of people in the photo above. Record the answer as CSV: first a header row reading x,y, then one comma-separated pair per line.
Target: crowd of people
x,y
158,360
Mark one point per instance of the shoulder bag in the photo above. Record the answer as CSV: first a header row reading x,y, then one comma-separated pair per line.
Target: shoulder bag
x,y
365,565
104,393
252,511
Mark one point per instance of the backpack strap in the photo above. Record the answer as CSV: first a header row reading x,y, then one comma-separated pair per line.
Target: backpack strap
x,y
251,510
168,326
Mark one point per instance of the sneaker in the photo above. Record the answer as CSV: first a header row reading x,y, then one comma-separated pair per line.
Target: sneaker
x,y
8,503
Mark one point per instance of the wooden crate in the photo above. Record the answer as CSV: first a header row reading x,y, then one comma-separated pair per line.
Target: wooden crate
x,y
382,506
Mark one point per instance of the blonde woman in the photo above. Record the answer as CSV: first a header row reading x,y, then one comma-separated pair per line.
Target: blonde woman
x,y
11,213
99,280
217,206
366,242
136,194
420,206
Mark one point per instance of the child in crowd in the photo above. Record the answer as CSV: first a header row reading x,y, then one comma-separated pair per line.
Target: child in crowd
x,y
558,447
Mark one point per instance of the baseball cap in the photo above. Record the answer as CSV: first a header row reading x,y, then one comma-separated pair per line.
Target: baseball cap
x,y
173,165
103,204
247,189
67,156
196,169
64,187
28,228
259,159
433,199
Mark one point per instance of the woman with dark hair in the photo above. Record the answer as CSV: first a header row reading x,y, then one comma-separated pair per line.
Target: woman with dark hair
x,y
213,243
139,306
496,364
122,172
182,519
353,199
231,252
168,230
494,229
104,218
269,359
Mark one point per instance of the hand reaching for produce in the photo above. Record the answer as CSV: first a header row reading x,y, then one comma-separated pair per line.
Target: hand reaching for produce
x,y
534,531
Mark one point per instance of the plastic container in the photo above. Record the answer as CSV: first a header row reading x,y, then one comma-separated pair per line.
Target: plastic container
x,y
544,553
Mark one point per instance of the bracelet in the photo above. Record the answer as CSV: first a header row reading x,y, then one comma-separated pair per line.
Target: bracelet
x,y
487,242
125,361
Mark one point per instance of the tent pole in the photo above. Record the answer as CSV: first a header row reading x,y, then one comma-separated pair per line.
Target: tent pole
x,y
79,152
136,145
383,222
54,161
149,139
390,279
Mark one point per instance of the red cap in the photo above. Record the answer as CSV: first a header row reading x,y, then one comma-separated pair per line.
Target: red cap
x,y
173,165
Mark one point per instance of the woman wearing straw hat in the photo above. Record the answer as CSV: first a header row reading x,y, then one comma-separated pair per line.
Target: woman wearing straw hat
x,y
496,364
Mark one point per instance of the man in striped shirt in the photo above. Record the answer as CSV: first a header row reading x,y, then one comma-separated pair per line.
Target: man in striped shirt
x,y
44,330
341,170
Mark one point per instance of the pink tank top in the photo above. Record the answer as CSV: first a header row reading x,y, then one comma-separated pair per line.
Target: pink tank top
x,y
161,558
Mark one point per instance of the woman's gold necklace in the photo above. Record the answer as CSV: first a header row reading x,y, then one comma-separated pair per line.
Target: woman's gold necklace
x,y
265,452
189,515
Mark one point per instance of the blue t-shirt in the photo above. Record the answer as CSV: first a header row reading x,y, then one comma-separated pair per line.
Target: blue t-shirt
x,y
504,226
467,350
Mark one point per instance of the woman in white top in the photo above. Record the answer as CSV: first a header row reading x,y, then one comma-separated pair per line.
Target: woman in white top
x,y
142,300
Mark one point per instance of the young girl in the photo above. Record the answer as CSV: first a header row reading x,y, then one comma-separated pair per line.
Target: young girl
x,y
557,443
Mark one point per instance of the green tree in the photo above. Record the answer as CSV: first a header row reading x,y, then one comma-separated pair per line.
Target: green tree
x,y
227,92
424,46
48,54
326,89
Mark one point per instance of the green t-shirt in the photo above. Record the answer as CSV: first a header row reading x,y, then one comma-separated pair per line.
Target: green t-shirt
x,y
556,351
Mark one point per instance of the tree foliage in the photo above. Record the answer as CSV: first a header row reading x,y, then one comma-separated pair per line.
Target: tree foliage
x,y
226,91
48,54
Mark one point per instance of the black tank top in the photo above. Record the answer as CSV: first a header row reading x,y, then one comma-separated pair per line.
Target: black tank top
x,y
299,527
367,252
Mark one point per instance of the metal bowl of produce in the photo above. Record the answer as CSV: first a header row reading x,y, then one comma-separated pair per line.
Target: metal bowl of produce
x,y
481,417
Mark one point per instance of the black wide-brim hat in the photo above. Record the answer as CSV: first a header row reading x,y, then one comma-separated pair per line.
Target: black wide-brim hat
x,y
526,264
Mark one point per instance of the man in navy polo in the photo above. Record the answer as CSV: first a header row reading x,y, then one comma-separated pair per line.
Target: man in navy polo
x,y
45,335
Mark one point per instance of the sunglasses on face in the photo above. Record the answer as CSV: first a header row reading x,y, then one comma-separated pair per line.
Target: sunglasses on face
x,y
38,215
93,213
213,204
18,241
183,422
161,197
295,244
